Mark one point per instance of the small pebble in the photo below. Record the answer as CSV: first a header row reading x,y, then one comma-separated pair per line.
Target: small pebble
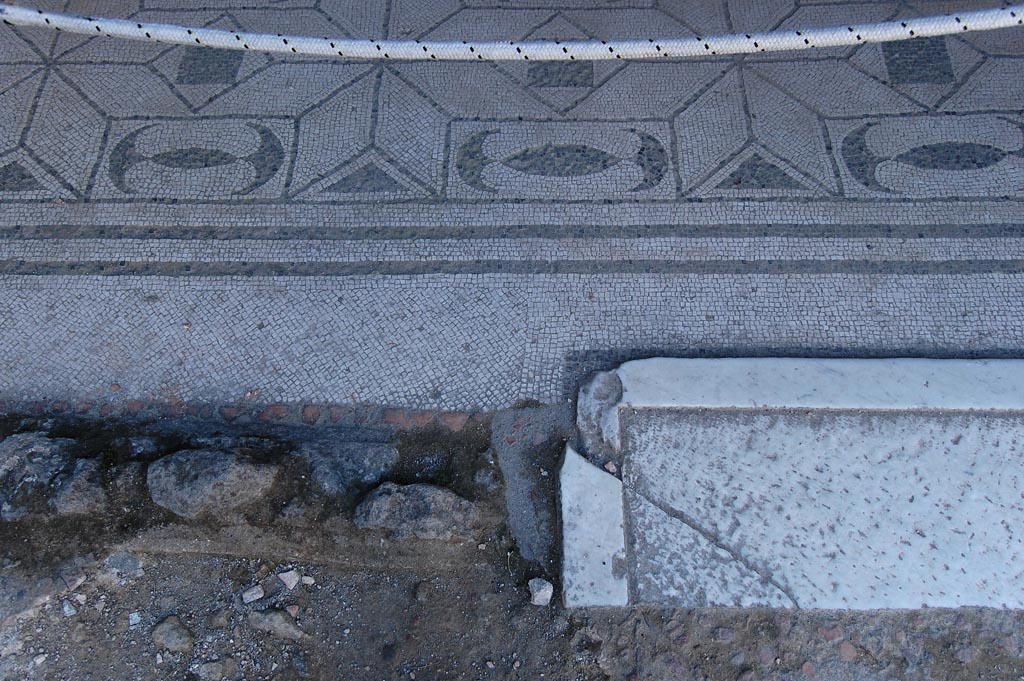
x,y
253,593
134,618
68,609
290,579
490,665
308,581
611,467
541,591
293,610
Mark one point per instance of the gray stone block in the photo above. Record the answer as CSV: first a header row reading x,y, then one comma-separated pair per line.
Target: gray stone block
x,y
206,483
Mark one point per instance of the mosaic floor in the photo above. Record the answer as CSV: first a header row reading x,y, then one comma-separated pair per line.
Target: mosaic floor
x,y
200,225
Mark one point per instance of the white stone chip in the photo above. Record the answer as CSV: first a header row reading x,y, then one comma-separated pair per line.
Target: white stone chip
x,y
290,579
593,542
541,591
253,593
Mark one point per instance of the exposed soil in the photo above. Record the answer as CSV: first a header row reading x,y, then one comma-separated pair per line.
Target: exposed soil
x,y
381,608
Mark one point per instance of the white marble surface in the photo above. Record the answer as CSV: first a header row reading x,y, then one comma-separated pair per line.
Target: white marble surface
x,y
850,484
826,510
824,383
805,383
593,549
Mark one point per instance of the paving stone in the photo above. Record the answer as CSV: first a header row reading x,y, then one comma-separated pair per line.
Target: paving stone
x,y
593,546
847,484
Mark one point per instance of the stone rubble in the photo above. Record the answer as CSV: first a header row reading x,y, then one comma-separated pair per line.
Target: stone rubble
x,y
171,634
208,483
541,591
418,510
276,623
290,579
252,594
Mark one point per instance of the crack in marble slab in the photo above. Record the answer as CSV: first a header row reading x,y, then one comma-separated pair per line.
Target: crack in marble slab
x,y
641,491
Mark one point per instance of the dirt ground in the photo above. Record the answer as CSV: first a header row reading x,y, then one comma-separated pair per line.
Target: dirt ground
x,y
82,599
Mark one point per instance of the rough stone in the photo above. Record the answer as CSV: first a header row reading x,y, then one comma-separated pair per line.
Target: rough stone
x,y
29,462
171,634
252,594
276,623
141,446
419,510
289,579
215,670
211,671
341,468
122,565
81,492
526,443
541,591
206,483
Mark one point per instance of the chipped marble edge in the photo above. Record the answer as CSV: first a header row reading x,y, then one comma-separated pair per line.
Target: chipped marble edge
x,y
594,572
788,383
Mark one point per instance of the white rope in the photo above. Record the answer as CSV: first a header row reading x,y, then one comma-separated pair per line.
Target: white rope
x,y
650,48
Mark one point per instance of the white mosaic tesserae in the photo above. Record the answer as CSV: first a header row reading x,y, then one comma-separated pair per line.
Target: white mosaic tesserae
x,y
204,225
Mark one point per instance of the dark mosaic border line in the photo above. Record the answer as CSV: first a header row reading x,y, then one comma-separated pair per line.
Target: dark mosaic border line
x,y
599,267
444,200
525,231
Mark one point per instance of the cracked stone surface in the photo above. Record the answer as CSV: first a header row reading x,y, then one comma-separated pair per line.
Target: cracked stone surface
x,y
877,484
866,510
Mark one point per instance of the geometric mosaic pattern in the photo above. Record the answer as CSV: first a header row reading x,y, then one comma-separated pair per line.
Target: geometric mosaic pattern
x,y
100,121
518,194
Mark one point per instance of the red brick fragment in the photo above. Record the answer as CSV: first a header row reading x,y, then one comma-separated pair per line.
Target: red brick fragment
x,y
454,421
310,414
229,414
274,412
